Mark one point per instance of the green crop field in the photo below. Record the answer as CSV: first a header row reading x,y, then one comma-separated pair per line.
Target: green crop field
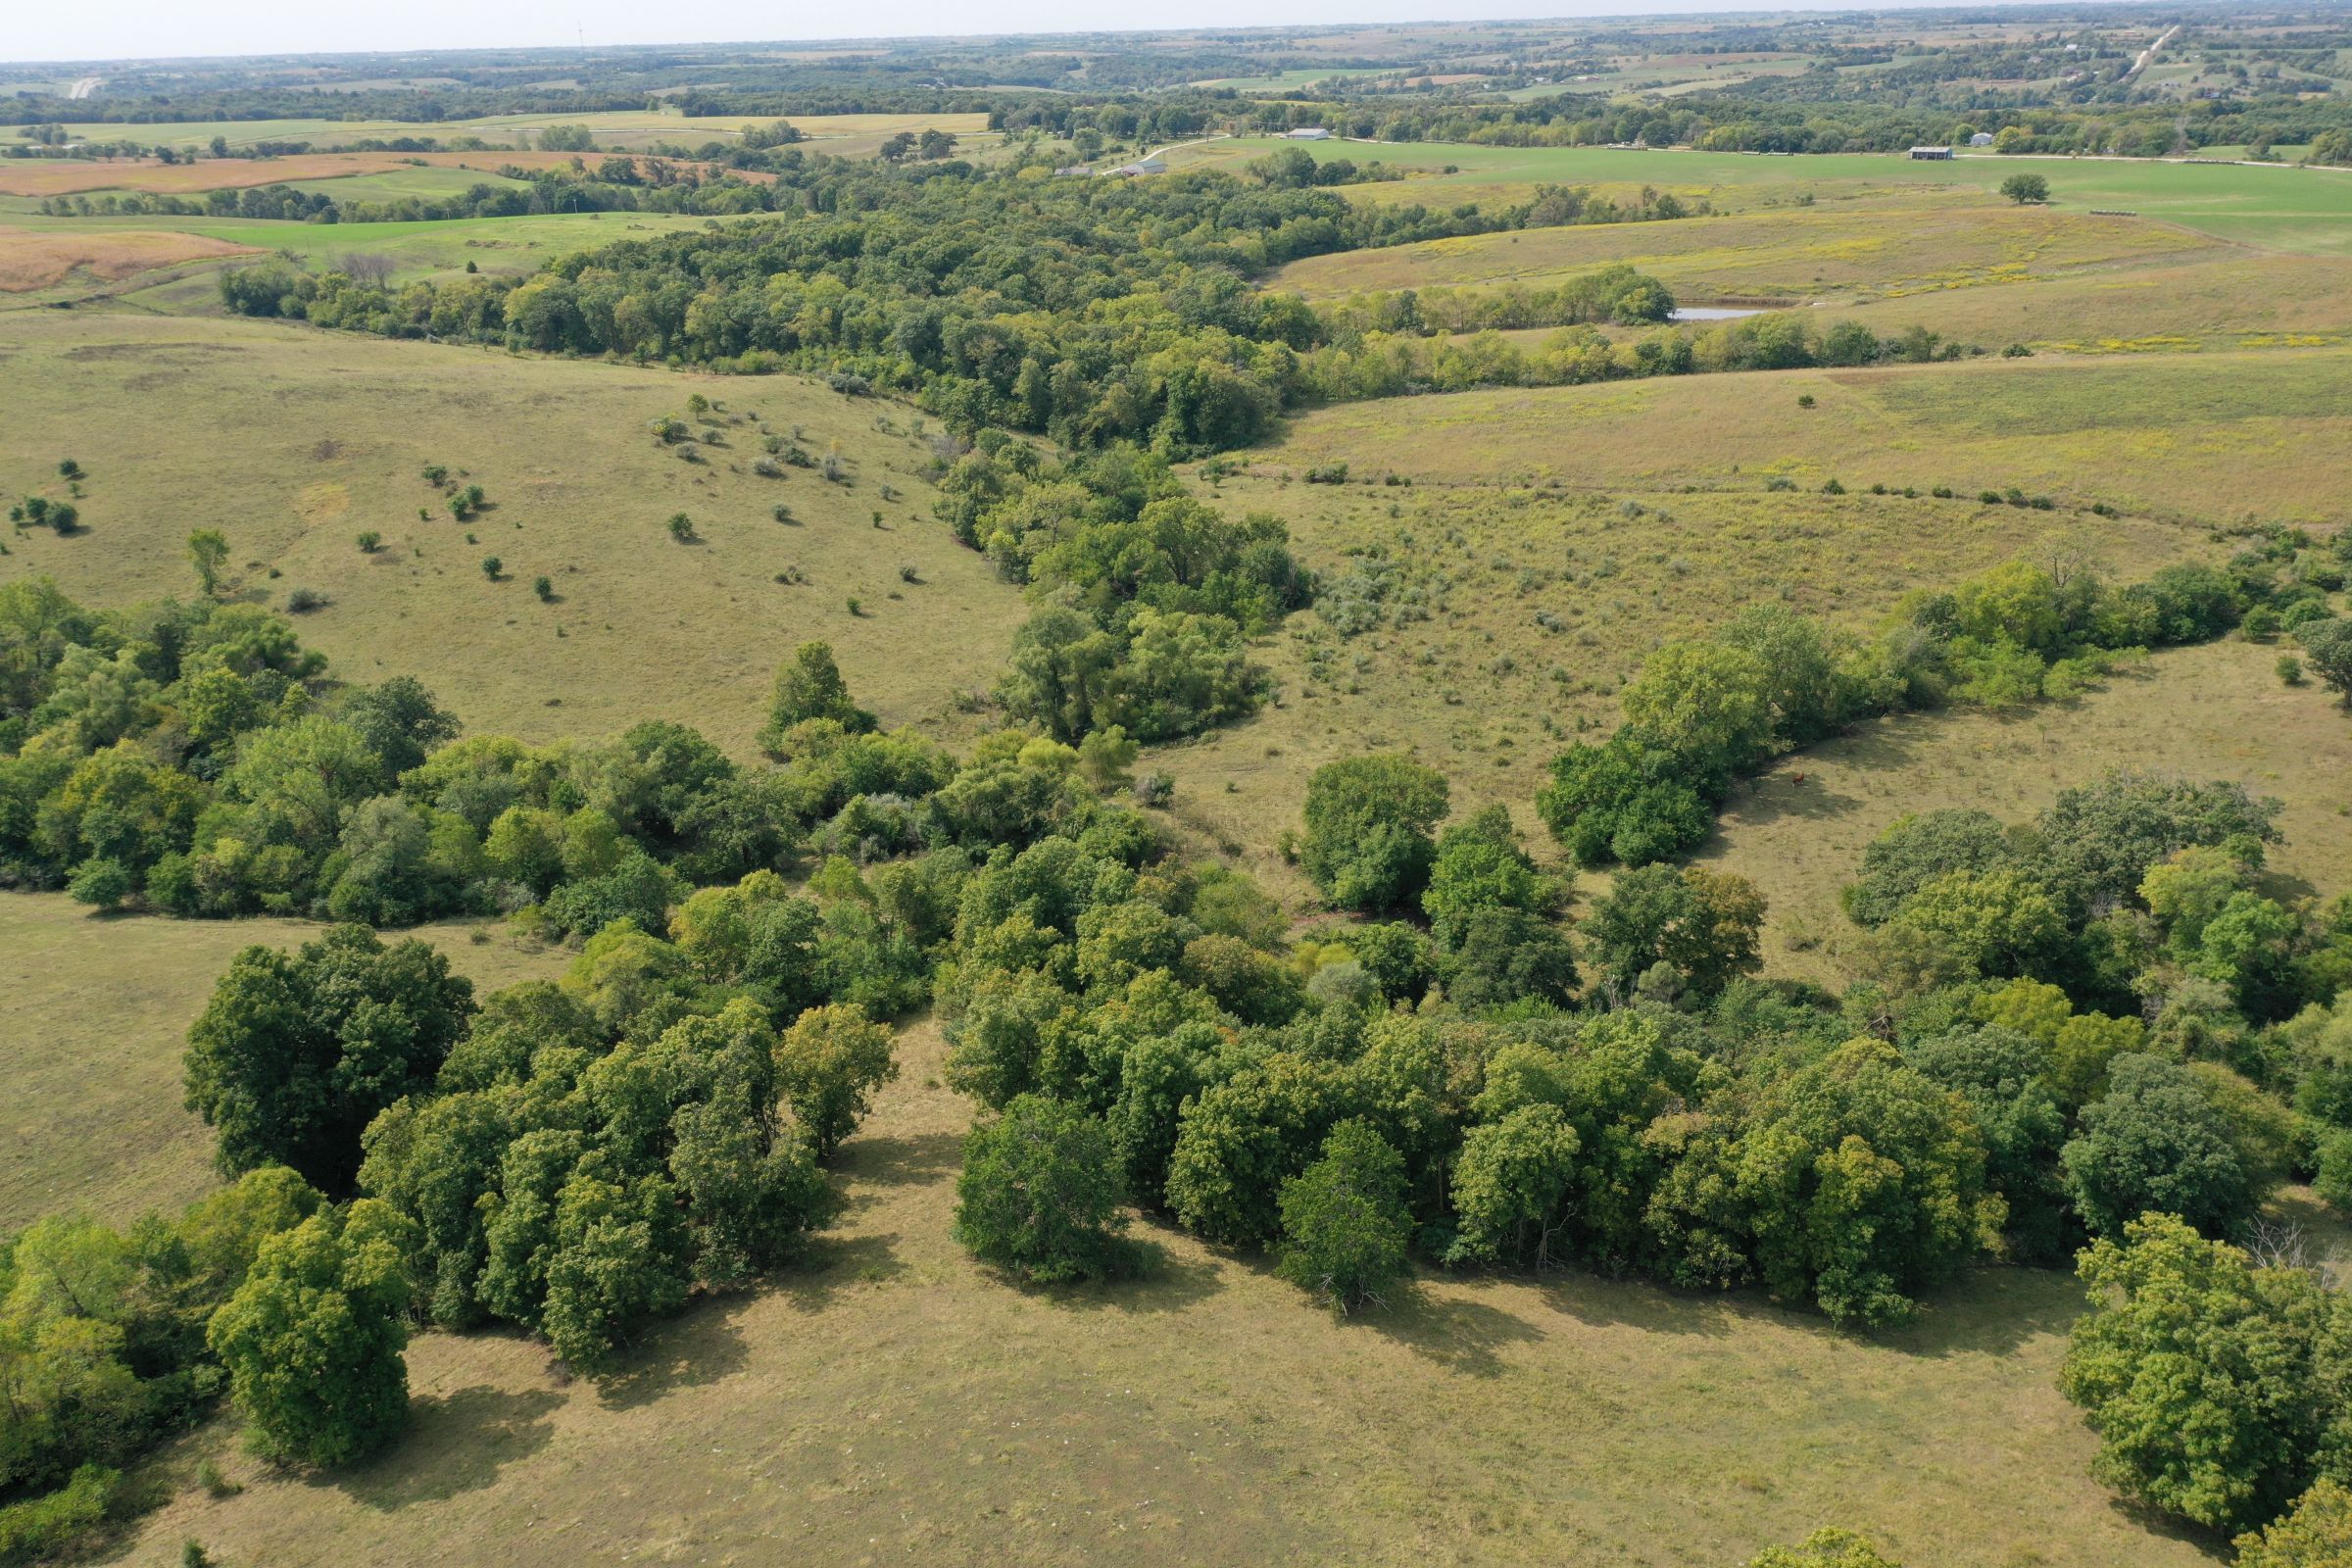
x,y
292,441
2277,206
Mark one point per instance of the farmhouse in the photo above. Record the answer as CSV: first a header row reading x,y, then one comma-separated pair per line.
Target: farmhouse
x,y
1931,154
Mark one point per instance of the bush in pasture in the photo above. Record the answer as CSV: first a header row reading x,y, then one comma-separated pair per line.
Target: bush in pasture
x,y
681,528
1826,1549
1345,1224
1368,820
369,541
312,1341
2327,647
491,566
1041,1193
545,588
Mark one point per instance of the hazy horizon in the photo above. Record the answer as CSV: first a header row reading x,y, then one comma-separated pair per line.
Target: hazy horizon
x,y
177,31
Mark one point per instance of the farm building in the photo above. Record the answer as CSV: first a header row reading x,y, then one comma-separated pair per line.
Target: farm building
x,y
1307,133
1142,166
1076,168
1983,139
1931,154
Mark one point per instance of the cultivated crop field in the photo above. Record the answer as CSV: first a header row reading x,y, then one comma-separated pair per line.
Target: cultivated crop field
x,y
40,259
325,436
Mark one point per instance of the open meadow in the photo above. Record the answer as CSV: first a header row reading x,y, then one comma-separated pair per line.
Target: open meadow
x,y
293,442
96,1016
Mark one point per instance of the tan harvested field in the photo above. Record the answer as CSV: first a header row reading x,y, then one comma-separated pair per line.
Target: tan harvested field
x,y
2216,436
1790,255
890,1400
65,179
95,1012
293,441
37,258
2216,711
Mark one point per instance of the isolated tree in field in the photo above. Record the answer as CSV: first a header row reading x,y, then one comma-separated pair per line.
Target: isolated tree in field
x,y
2023,188
1040,1193
2327,644
1345,1224
207,553
296,1051
808,685
828,1065
312,1341
1368,821
2206,1378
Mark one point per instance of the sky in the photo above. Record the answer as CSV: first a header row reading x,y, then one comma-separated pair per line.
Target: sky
x,y
149,29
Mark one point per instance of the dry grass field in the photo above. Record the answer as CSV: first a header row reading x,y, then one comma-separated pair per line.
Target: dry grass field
x,y
2204,436
2216,711
293,441
95,1010
890,1400
39,259
1808,255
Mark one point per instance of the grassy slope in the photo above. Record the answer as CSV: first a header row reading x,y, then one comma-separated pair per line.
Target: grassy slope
x,y
96,1012
292,441
2217,712
1517,508
630,128
891,1400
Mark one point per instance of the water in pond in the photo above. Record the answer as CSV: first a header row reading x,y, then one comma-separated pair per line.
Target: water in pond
x,y
1709,313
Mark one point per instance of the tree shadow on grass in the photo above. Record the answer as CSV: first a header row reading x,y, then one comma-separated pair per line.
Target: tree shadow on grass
x,y
896,1161
456,1443
833,1265
700,1347
1465,1337
1991,1310
1153,1277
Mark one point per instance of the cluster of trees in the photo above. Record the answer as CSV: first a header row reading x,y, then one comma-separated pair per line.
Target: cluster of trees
x,y
1147,597
1617,294
1470,1081
104,1348
1091,310
615,184
1702,714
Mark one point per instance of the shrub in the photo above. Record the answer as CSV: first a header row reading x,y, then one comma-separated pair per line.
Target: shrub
x,y
1344,1219
681,528
1042,1192
2290,669
302,601
491,566
369,541
52,1525
545,588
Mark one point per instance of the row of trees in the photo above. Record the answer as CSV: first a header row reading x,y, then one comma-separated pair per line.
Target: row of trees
x,y
1701,713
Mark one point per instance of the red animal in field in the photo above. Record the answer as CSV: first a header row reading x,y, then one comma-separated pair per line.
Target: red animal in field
x,y
1796,778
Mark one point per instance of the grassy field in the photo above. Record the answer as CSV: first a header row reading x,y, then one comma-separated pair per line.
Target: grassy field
x,y
1789,256
891,1400
292,441
2278,207
2216,711
1634,512
96,1010
2207,436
